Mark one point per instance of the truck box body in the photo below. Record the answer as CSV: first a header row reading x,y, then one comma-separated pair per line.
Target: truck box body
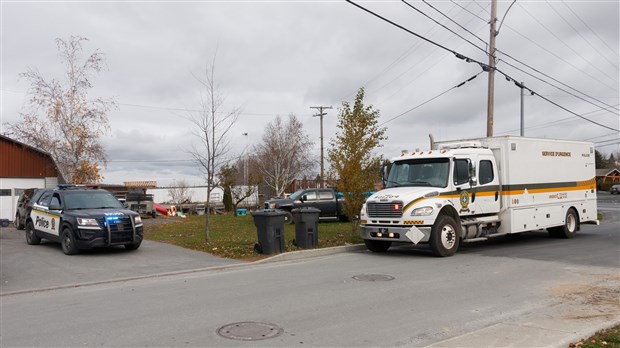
x,y
539,177
482,188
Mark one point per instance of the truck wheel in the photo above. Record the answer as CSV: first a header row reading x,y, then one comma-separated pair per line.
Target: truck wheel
x,y
31,235
68,242
570,227
288,218
445,238
377,246
17,223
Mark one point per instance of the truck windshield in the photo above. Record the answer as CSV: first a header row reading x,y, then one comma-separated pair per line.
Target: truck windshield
x,y
91,200
423,172
296,195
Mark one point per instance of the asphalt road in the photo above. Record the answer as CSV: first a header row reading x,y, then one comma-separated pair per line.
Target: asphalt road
x,y
519,291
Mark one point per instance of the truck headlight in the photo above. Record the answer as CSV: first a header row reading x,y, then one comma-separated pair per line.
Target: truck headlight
x,y
87,222
424,211
272,205
137,220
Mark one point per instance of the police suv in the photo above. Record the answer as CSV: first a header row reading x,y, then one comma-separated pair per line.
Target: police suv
x,y
81,218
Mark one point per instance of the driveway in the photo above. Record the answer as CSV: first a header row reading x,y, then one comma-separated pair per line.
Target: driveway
x,y
26,267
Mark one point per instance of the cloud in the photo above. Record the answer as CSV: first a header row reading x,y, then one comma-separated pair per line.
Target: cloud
x,y
276,58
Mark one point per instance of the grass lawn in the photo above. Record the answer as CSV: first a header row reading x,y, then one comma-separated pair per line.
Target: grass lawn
x,y
234,237
605,338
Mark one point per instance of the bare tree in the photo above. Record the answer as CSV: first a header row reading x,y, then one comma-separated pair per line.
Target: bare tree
x,y
284,154
180,192
212,127
62,119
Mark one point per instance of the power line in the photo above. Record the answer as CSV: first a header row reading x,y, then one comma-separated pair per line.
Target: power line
x,y
431,99
553,123
436,22
538,71
560,82
587,26
572,49
537,44
455,22
485,67
475,15
581,35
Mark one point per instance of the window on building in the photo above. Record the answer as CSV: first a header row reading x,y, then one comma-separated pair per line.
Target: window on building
x,y
5,192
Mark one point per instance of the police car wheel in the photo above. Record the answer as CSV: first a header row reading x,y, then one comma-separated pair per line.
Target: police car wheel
x,y
31,235
17,223
68,242
445,237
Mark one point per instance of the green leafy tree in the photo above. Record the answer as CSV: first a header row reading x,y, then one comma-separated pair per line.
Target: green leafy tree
x,y
351,154
599,160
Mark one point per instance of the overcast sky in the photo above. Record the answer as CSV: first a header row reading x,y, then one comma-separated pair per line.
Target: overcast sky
x,y
281,57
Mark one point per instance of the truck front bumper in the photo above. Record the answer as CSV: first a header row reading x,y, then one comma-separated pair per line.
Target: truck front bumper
x,y
401,234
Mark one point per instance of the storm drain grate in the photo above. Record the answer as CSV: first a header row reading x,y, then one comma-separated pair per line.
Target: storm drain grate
x,y
373,277
250,331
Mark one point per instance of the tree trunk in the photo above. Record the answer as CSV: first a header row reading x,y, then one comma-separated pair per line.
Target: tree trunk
x,y
208,212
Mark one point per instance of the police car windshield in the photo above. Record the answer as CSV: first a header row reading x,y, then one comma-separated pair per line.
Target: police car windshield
x,y
90,200
422,172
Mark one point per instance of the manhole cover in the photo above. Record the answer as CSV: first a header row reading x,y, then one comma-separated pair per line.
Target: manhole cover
x,y
373,277
250,331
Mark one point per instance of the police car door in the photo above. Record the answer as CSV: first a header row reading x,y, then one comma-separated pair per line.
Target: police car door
x,y
44,219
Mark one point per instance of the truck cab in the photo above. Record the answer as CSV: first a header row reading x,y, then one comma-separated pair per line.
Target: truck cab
x,y
422,186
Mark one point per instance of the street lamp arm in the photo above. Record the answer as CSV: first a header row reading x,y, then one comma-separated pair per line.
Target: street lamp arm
x,y
502,22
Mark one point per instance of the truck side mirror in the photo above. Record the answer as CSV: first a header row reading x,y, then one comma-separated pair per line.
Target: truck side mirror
x,y
472,175
303,198
384,175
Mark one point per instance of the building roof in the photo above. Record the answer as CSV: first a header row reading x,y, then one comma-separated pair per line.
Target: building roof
x,y
19,164
608,172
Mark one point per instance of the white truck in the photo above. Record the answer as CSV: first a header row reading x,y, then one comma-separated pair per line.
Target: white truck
x,y
475,189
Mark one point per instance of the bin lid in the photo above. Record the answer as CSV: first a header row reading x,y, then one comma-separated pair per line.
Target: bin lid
x,y
268,212
306,210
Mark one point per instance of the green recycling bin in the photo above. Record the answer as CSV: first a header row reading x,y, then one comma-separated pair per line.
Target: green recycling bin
x,y
270,229
306,227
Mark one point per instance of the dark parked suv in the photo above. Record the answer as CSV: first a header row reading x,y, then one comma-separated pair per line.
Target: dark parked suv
x,y
81,218
22,205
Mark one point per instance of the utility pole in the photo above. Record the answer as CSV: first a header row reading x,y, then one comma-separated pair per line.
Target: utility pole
x,y
245,161
491,93
321,114
522,111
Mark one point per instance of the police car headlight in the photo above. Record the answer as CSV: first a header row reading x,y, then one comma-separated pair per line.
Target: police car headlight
x,y
87,222
424,211
137,220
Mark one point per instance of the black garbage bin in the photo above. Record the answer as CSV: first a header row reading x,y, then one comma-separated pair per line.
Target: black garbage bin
x,y
306,227
270,229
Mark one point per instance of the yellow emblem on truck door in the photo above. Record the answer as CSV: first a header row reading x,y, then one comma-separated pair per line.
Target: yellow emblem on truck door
x,y
464,199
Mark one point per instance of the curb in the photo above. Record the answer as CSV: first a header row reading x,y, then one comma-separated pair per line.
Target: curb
x,y
289,256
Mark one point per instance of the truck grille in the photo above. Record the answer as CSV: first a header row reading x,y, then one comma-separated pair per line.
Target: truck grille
x,y
385,210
